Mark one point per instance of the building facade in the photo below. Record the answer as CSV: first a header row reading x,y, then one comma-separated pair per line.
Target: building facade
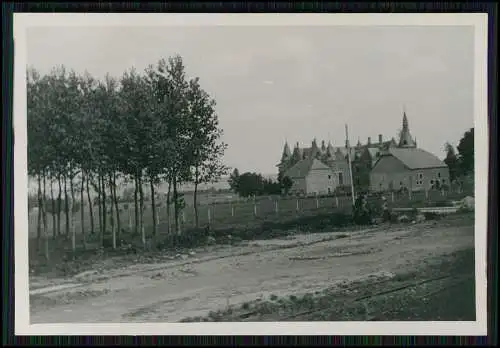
x,y
363,157
410,169
310,176
333,160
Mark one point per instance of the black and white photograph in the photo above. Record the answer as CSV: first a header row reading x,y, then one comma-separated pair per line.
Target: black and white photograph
x,y
260,174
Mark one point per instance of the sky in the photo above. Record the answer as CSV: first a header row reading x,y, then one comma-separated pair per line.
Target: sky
x,y
275,84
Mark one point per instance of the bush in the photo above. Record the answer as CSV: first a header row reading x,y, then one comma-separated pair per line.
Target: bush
x,y
431,216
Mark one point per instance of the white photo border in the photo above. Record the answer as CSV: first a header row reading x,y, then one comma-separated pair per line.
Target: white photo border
x,y
22,21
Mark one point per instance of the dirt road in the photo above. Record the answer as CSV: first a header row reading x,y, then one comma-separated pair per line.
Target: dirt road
x,y
204,282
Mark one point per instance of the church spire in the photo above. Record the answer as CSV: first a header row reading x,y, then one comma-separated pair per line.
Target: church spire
x,y
405,138
405,121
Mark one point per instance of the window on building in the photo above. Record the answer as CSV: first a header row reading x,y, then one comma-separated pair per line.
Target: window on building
x,y
432,182
420,179
341,179
329,190
439,175
329,177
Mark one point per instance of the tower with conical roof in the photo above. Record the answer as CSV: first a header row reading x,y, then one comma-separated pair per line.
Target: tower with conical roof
x,y
315,151
286,158
287,154
296,155
329,150
405,138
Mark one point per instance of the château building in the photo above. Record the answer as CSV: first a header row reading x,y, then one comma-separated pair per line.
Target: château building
x,y
323,168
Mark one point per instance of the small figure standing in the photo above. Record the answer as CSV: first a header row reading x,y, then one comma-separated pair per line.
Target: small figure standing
x,y
386,215
361,210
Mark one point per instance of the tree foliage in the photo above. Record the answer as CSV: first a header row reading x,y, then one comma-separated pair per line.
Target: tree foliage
x,y
253,184
462,163
145,128
451,161
466,152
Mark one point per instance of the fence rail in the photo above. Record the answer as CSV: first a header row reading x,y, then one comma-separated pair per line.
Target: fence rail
x,y
246,211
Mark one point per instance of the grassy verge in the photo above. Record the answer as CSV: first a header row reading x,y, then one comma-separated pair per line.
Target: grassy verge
x,y
64,262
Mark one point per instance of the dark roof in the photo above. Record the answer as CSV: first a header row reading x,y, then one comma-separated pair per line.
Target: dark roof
x,y
414,158
303,167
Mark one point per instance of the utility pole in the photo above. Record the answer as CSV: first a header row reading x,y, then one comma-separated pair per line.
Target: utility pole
x,y
350,163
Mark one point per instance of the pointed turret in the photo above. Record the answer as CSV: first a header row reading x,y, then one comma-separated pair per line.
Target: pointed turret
x,y
296,155
405,139
329,150
315,152
323,146
287,154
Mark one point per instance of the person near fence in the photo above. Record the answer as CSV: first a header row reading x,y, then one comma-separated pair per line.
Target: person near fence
x,y
361,210
386,214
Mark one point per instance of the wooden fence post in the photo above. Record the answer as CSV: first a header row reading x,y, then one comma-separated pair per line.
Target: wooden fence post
x,y
409,194
426,194
276,206
336,202
442,192
157,216
297,204
255,209
392,196
317,203
130,219
232,211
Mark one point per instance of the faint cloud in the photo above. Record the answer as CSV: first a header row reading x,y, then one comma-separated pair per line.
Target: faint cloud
x,y
269,82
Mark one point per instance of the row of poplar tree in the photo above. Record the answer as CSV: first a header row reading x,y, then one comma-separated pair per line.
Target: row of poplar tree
x,y
148,128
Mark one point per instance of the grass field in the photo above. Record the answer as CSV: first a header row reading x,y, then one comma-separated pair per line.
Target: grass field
x,y
263,209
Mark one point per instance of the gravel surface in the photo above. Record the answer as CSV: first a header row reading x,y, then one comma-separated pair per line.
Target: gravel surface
x,y
211,280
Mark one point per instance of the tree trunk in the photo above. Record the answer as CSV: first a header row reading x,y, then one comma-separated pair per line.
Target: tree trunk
x,y
45,227
99,204
153,203
115,200
53,206
66,205
195,198
44,197
111,210
59,205
91,209
136,204
39,223
168,204
141,208
82,211
176,206
104,209
72,211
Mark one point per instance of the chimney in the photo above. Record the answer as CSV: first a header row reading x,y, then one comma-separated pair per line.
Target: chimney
x,y
369,140
380,138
